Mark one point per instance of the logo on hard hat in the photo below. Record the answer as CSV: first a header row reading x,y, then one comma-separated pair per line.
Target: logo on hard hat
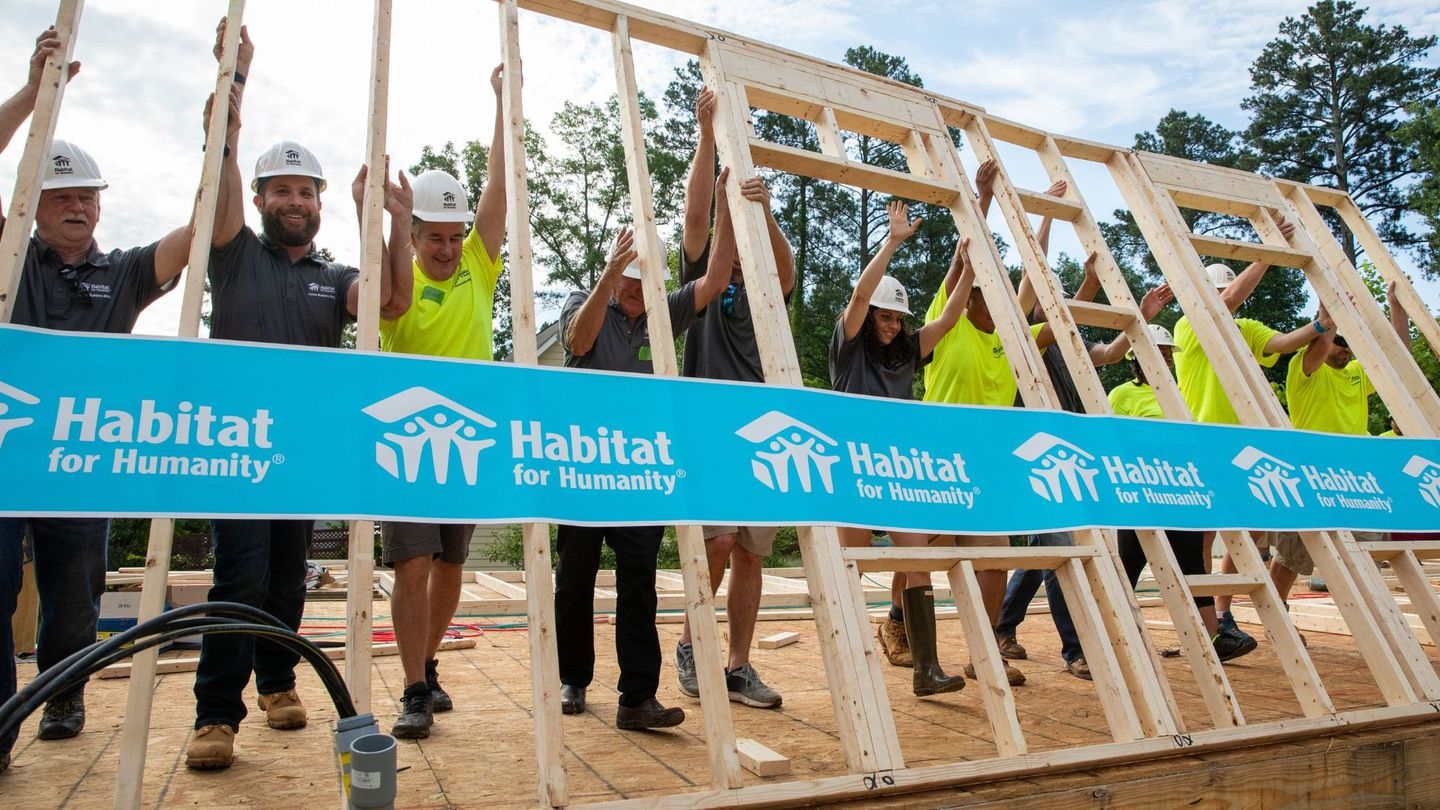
x,y
786,445
1060,468
449,198
62,165
292,157
427,421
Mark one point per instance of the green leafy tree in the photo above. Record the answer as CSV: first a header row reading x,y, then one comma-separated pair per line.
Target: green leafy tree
x,y
1422,133
1328,96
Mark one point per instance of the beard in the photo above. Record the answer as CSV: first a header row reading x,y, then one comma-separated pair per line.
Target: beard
x,y
277,227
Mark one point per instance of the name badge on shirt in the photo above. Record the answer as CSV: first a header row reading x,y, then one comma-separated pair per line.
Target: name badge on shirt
x,y
644,353
433,294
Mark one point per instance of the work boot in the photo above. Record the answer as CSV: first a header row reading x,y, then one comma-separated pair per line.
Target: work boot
x,y
62,719
891,636
1079,668
929,678
649,714
212,748
417,712
443,703
1013,675
685,670
283,710
1010,648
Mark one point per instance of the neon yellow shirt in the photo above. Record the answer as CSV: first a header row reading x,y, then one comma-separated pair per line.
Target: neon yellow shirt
x,y
1332,400
1130,398
1389,434
1199,384
450,318
969,366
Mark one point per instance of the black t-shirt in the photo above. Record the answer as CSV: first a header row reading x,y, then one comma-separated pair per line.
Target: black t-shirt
x,y
259,295
853,372
119,284
622,344
1060,378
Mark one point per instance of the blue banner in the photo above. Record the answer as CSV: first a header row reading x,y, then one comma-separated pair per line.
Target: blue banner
x,y
120,425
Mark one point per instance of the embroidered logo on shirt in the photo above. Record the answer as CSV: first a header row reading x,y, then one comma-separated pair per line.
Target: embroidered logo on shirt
x,y
317,290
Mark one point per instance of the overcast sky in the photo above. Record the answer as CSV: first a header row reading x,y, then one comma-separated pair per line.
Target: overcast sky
x,y
1098,70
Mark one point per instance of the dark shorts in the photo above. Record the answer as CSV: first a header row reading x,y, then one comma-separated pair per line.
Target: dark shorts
x,y
447,542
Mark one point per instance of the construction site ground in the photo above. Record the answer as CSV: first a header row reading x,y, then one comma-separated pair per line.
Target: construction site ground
x,y
481,754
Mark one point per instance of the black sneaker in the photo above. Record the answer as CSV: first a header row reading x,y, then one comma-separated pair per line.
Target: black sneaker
x,y
432,679
417,708
62,719
1229,647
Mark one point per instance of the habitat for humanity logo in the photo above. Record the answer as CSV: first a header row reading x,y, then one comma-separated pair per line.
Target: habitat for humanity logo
x,y
1272,481
793,453
1419,467
786,444
13,393
428,421
1060,467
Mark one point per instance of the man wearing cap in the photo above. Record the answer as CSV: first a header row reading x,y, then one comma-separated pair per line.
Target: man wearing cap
x,y
1327,390
67,283
273,287
721,345
454,273
607,329
1201,388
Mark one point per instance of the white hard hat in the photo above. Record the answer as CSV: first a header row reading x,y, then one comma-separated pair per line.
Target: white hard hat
x,y
284,159
69,166
1220,275
632,270
890,294
439,197
1159,335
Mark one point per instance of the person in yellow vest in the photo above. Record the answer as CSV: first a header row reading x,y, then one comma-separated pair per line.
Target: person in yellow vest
x,y
456,266
1328,391
1201,388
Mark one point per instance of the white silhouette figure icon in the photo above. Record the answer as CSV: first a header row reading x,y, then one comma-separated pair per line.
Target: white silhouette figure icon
x,y
790,444
7,425
1427,473
430,422
1271,481
1061,467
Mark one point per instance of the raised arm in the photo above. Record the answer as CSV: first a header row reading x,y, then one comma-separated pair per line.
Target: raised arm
x,y
1399,318
230,198
932,332
585,326
755,190
1250,278
19,106
396,288
1320,347
490,209
1042,235
722,251
984,182
700,187
901,228
1293,340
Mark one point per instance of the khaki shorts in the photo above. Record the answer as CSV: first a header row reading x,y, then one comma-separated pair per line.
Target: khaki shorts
x,y
447,542
1291,553
758,540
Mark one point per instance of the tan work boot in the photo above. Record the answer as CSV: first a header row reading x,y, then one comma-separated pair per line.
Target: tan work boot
x,y
1010,648
212,748
283,710
1013,675
894,643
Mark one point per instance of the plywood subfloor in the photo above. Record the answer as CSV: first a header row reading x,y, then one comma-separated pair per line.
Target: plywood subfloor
x,y
481,754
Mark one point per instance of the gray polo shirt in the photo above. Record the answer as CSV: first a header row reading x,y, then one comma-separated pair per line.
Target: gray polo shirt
x,y
623,345
853,372
259,295
721,344
119,284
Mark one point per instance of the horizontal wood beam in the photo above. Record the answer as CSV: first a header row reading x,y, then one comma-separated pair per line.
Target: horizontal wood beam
x,y
824,167
1105,316
894,558
1213,202
1222,584
1048,205
1248,251
1424,549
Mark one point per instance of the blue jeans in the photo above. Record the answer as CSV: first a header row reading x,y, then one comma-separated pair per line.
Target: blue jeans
x,y
260,563
69,556
1023,585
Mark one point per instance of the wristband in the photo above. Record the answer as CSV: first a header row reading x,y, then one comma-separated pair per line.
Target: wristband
x,y
226,153
239,77
1318,327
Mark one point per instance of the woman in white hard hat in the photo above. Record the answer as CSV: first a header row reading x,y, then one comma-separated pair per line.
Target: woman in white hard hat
x,y
873,353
